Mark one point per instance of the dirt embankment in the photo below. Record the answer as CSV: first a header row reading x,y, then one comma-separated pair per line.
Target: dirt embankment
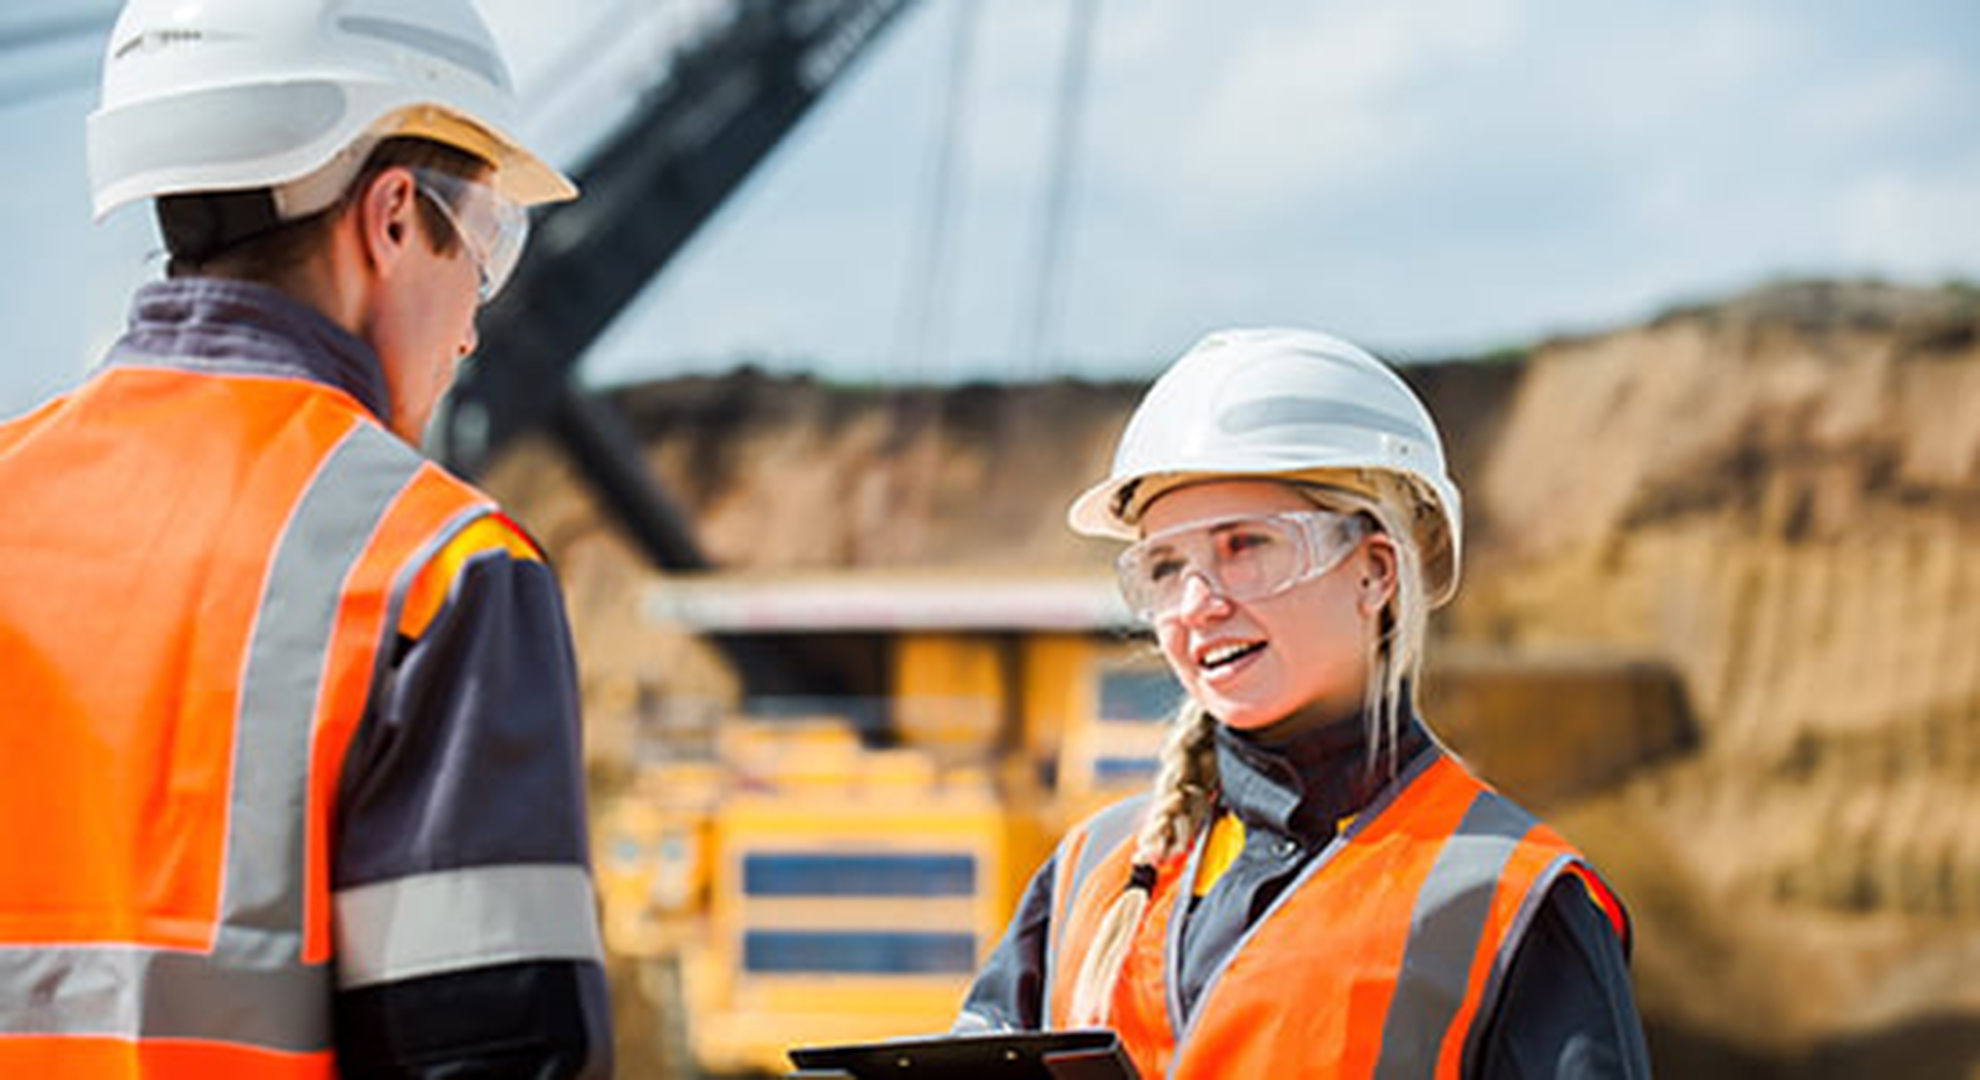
x,y
1781,497
1778,497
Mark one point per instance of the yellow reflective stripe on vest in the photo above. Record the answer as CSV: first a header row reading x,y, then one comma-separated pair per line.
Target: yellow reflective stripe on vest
x,y
1220,850
252,988
434,583
451,920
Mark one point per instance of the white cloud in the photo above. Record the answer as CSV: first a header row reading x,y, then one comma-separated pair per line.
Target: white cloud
x,y
1898,94
1305,105
1925,225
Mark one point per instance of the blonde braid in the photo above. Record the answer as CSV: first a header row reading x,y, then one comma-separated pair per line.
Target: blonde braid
x,y
1184,792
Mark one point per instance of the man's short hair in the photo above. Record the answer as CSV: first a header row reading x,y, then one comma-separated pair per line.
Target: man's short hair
x,y
239,234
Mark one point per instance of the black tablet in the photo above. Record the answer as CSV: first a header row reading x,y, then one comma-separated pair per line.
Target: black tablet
x,y
1089,1054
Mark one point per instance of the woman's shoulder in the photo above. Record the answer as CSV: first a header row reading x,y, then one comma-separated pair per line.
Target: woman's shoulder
x,y
1106,827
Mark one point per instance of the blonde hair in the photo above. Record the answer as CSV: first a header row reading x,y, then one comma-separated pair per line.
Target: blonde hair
x,y
1186,782
1395,650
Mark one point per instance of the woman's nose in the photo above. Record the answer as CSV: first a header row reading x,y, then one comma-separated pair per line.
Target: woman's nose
x,y
1201,599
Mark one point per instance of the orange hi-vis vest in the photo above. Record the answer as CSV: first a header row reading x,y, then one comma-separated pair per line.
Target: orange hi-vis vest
x,y
1374,963
198,573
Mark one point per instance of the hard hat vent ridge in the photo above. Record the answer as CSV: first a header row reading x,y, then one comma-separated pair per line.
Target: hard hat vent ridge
x,y
1266,414
456,50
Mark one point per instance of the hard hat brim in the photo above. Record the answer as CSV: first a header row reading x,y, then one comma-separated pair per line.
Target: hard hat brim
x,y
1112,509
519,174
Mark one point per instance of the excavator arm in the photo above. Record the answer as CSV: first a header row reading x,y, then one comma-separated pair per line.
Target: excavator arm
x,y
727,101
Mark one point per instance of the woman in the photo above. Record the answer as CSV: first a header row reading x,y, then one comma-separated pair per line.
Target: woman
x,y
1314,887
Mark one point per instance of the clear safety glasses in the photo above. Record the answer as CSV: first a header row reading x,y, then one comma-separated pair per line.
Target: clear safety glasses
x,y
1243,558
491,226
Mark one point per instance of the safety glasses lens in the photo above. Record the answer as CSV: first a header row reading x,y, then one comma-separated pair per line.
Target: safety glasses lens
x,y
509,233
491,226
1241,558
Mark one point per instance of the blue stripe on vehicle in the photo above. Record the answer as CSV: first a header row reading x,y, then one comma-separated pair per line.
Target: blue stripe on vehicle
x,y
858,952
859,874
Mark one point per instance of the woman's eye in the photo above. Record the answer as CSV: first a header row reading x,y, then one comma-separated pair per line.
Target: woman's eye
x,y
1238,543
1163,569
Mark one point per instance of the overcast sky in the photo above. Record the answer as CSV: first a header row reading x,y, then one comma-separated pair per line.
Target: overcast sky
x,y
1427,176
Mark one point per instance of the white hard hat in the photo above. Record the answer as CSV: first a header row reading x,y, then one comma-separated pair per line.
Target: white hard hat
x,y
233,95
1283,404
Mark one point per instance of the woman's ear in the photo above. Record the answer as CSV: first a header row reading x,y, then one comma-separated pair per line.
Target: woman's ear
x,y
1378,574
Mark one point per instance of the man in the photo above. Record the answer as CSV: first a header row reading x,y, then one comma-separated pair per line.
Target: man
x,y
291,781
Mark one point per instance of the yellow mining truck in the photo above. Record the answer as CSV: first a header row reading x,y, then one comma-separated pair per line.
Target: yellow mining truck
x,y
813,867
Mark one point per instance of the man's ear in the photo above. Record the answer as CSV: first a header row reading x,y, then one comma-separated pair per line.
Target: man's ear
x,y
385,212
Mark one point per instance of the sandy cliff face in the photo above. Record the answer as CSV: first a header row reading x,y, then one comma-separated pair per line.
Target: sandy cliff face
x,y
793,474
1777,497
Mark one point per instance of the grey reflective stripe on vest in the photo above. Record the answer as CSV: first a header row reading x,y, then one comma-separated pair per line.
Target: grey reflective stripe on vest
x,y
1103,832
451,920
324,539
124,992
253,987
1446,925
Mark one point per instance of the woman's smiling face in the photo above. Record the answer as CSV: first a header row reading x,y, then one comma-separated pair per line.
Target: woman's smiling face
x,y
1302,653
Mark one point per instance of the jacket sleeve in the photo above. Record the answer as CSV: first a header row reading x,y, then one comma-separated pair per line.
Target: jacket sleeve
x,y
1009,992
1565,1010
466,926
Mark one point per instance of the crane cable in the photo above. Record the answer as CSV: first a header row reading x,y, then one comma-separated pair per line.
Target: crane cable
x,y
914,407
919,336
1036,331
41,36
28,34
